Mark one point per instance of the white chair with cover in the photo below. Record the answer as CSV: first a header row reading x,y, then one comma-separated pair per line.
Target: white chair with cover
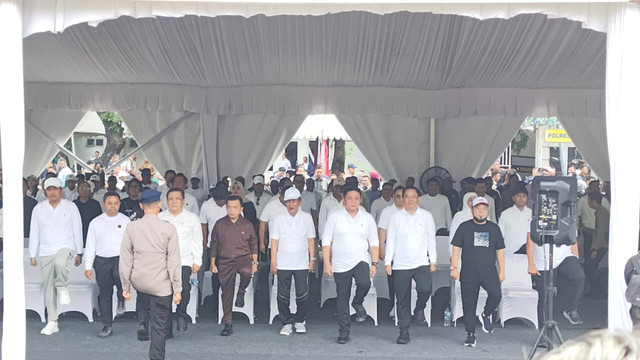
x,y
370,302
327,289
129,305
381,283
248,308
34,292
519,300
83,293
273,297
441,277
192,307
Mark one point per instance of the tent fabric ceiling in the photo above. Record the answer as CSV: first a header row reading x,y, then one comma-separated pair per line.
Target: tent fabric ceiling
x,y
415,64
56,15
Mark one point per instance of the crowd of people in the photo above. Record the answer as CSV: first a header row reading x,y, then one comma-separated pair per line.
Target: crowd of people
x,y
133,232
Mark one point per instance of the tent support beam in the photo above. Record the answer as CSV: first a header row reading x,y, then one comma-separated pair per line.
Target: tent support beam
x,y
60,147
432,142
150,142
205,162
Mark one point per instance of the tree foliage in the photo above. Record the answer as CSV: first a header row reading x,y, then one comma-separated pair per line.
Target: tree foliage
x,y
114,131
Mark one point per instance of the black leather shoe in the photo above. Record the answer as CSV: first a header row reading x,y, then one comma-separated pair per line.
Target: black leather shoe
x,y
143,333
404,338
169,336
106,331
361,312
182,324
240,299
343,339
227,331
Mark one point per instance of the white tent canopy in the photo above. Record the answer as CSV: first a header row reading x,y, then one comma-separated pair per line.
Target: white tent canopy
x,y
476,76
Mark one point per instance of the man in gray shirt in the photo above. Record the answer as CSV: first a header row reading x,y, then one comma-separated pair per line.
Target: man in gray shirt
x,y
150,261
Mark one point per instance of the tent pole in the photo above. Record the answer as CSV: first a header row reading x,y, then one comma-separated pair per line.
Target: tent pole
x,y
205,162
60,147
13,142
432,142
151,141
73,150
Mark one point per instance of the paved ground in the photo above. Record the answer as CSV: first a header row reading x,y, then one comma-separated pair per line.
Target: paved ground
x,y
77,339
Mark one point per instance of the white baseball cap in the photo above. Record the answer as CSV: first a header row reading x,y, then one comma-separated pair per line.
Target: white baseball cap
x,y
291,194
52,181
258,179
479,201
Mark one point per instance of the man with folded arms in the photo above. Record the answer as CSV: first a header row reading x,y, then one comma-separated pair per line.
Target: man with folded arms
x,y
411,256
104,239
190,236
293,256
348,236
56,237
235,245
150,261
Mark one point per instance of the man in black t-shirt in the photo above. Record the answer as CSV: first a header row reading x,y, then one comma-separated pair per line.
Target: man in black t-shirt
x,y
482,244
130,206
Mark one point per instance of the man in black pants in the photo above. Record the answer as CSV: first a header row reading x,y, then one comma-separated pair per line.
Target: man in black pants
x,y
102,253
482,244
411,255
348,235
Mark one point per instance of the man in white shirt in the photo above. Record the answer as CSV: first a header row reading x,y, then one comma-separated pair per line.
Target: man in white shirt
x,y
329,203
190,235
197,191
56,238
587,216
386,199
273,209
350,252
481,190
63,170
318,196
212,210
103,254
70,192
190,202
566,265
309,204
293,256
438,205
411,256
258,196
515,223
383,224
169,175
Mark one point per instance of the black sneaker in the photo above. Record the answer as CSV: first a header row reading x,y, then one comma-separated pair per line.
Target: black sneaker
x,y
418,318
487,323
573,317
106,331
240,300
143,333
227,331
471,339
361,313
343,339
404,338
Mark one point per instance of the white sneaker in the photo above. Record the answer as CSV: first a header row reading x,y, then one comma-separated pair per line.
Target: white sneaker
x,y
286,330
51,328
65,299
392,313
300,328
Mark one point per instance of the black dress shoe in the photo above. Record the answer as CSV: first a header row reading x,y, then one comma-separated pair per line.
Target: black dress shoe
x,y
227,331
169,336
240,300
182,324
106,331
343,339
143,333
404,338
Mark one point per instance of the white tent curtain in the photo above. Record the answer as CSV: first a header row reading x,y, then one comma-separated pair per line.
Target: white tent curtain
x,y
468,146
590,137
623,127
58,125
396,146
245,144
180,149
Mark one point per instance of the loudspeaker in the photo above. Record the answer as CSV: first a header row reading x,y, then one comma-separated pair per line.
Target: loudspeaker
x,y
554,209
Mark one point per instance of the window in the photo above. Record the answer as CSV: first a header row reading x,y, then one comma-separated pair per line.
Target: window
x,y
99,142
90,143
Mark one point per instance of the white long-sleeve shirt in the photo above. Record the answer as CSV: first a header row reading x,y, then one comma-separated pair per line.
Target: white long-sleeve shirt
x,y
104,237
350,238
210,214
378,205
439,208
411,240
55,229
189,233
190,203
328,204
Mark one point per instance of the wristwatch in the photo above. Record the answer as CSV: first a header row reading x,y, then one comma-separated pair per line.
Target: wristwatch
x,y
254,263
374,263
312,259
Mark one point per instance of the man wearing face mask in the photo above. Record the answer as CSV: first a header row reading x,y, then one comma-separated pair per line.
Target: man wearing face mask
x,y
481,244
